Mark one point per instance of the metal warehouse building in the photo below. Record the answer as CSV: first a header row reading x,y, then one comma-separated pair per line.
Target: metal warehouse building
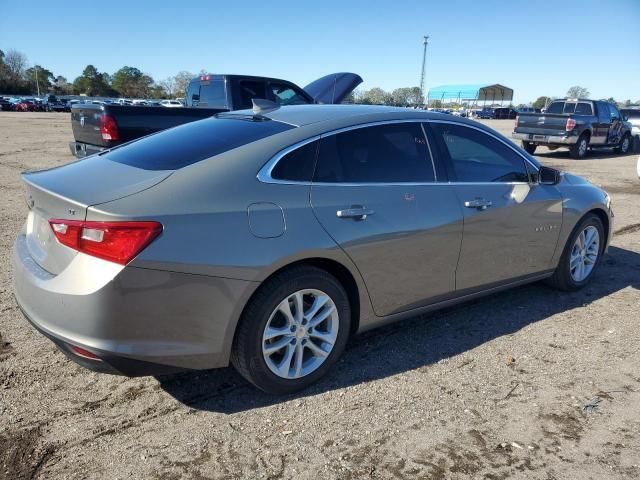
x,y
473,93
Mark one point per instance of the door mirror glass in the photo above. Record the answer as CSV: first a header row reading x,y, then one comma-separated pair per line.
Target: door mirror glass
x,y
548,176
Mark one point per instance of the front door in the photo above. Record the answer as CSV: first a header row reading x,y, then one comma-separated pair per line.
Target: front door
x,y
374,193
511,224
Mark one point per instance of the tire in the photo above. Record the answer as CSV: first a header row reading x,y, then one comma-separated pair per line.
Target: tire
x,y
249,356
625,144
580,148
563,278
529,147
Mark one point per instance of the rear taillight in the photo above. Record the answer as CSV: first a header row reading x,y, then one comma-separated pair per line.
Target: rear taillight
x,y
571,124
108,128
117,242
81,352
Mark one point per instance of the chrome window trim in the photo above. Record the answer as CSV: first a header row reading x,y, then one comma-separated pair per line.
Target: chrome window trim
x,y
264,175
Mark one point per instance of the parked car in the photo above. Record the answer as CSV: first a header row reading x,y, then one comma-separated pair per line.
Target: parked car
x,y
171,103
632,115
504,113
485,113
579,124
96,128
528,110
6,105
267,238
26,105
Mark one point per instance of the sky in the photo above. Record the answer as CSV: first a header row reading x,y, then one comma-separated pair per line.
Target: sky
x,y
536,47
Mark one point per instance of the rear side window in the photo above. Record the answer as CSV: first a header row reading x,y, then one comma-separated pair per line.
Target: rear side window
x,y
192,142
584,108
250,89
474,156
388,153
297,165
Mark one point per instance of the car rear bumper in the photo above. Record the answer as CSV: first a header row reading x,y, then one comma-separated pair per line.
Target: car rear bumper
x,y
546,139
136,321
81,150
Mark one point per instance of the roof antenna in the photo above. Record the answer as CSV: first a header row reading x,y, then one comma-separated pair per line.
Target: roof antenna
x,y
262,105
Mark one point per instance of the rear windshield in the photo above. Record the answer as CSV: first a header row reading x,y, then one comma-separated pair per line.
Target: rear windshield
x,y
193,142
556,107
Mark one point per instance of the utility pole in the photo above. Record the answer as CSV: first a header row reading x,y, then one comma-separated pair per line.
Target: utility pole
x,y
424,64
37,82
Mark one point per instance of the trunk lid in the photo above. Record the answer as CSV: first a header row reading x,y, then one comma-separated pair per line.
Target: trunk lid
x,y
66,192
333,88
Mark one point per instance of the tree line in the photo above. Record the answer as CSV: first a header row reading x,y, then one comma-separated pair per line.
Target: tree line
x,y
19,78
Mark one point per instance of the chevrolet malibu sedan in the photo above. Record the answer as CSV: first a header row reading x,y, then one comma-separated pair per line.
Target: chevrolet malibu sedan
x,y
267,238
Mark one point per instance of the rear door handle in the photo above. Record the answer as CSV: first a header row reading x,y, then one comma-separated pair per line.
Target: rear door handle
x,y
356,211
479,203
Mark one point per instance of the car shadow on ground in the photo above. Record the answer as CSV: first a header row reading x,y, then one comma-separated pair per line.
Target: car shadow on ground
x,y
597,154
414,343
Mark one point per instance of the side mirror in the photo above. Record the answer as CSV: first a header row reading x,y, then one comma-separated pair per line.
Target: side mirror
x,y
548,176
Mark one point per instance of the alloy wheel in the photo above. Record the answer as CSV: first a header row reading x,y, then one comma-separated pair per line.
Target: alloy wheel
x,y
584,253
300,333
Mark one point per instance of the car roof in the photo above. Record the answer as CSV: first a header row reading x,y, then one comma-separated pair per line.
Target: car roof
x,y
301,115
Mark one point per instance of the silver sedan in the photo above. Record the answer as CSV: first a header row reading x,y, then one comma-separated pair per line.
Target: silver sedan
x,y
266,238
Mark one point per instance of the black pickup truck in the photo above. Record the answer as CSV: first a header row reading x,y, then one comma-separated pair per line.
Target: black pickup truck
x,y
97,127
579,124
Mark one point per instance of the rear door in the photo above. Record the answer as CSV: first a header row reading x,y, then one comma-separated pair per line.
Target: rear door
x,y
511,225
616,125
374,192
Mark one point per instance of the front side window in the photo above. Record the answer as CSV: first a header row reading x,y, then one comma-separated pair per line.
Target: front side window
x,y
603,112
615,115
474,156
390,153
286,95
584,108
250,89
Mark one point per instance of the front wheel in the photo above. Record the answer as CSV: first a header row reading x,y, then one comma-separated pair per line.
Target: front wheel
x,y
579,149
581,255
624,146
292,331
529,147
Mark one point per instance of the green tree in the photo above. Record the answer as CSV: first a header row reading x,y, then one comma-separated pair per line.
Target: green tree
x,y
131,82
39,79
578,92
92,83
541,102
436,104
376,96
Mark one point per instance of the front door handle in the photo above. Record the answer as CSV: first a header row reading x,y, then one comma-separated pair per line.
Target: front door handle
x,y
479,203
357,212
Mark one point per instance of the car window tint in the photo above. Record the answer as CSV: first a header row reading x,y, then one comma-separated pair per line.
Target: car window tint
x,y
192,142
297,165
603,112
286,95
212,94
250,89
631,113
569,107
475,156
614,112
584,108
555,107
378,154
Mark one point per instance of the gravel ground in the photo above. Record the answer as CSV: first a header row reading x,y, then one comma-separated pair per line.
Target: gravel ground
x,y
492,389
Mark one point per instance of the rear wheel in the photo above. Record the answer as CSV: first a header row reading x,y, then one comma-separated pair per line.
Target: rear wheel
x,y
624,146
292,331
580,148
581,255
529,147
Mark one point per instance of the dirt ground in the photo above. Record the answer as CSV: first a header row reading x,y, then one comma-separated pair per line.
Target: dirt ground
x,y
491,389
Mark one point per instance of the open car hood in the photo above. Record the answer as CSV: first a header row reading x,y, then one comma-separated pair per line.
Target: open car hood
x,y
333,88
